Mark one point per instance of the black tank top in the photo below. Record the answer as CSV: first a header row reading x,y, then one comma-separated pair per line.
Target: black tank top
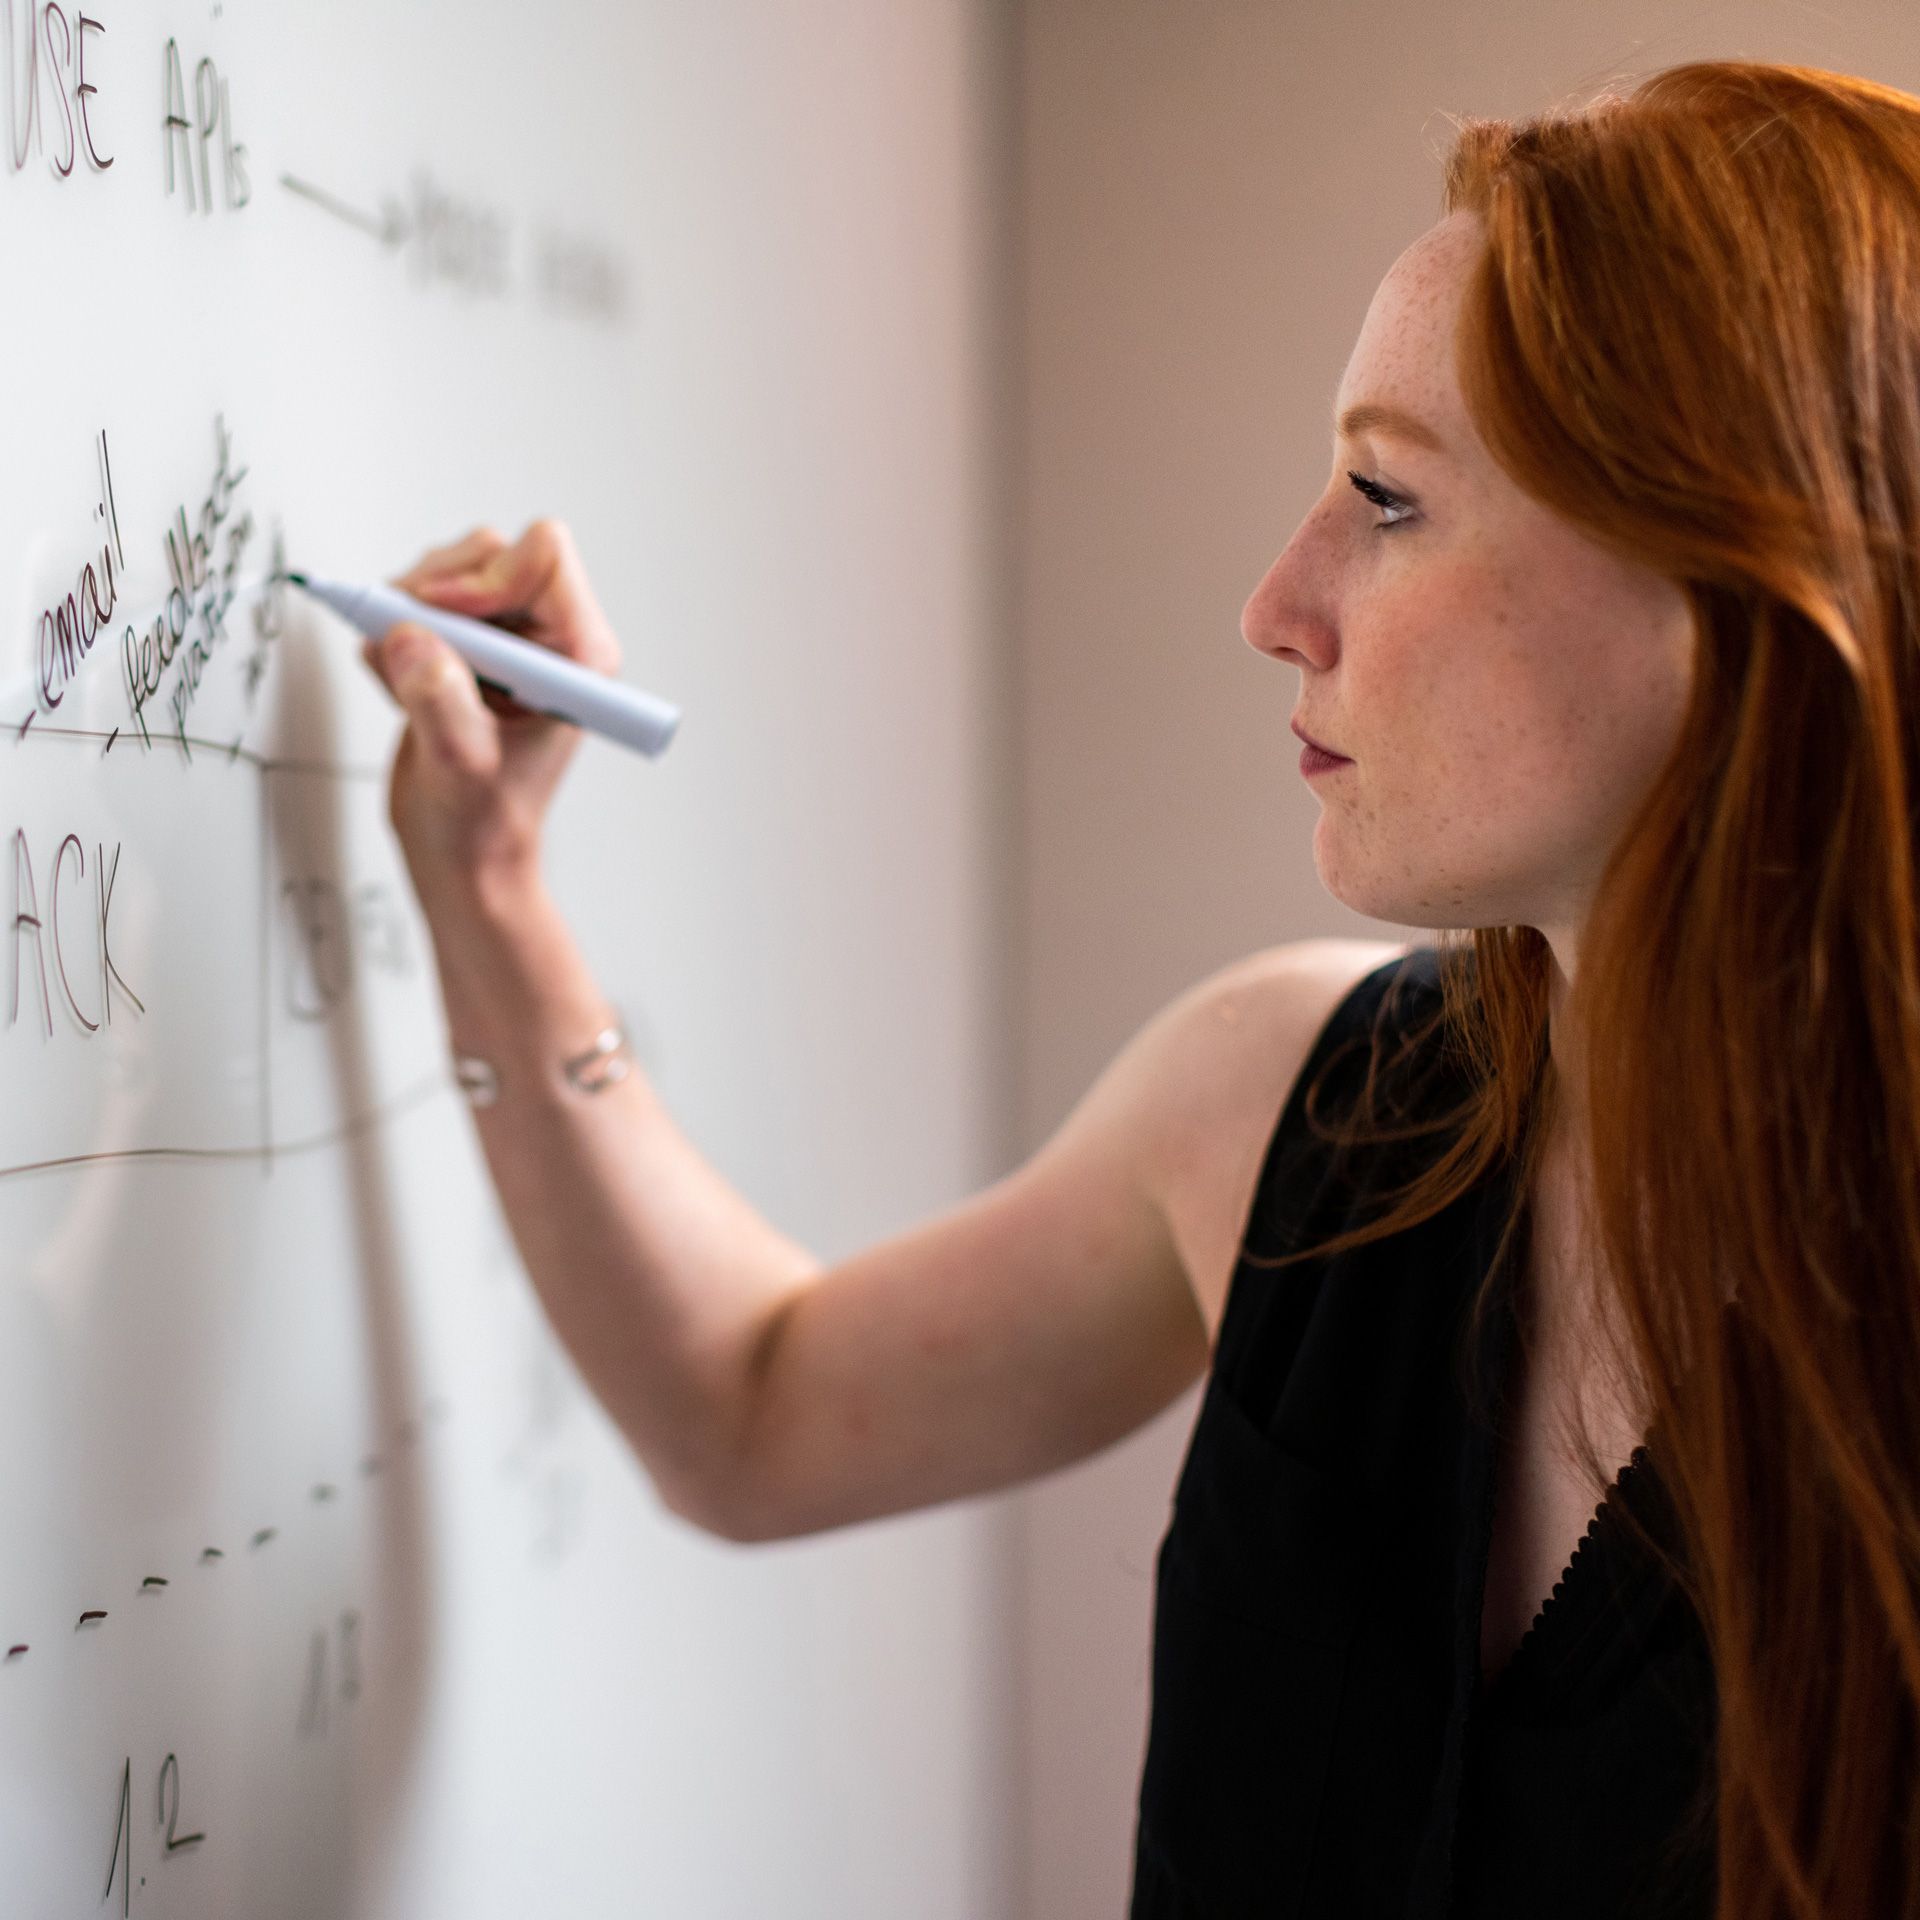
x,y
1322,1743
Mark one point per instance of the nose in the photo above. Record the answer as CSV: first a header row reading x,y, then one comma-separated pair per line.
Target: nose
x,y
1288,615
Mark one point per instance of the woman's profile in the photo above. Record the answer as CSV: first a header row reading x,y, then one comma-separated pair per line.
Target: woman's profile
x,y
1548,1541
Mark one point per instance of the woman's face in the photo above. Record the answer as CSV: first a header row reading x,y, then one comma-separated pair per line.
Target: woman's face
x,y
1506,689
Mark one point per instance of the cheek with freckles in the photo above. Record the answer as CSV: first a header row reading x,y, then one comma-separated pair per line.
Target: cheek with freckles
x,y
1473,803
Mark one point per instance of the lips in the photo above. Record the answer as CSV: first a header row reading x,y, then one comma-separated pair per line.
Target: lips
x,y
1319,745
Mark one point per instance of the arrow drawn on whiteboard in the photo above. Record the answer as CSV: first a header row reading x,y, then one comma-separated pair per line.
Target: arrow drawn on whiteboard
x,y
388,226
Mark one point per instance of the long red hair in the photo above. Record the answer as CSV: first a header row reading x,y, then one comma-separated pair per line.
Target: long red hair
x,y
1695,334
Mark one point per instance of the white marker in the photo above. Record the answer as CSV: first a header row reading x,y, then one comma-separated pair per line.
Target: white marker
x,y
535,676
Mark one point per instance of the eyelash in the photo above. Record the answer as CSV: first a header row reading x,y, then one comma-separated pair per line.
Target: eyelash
x,y
1380,497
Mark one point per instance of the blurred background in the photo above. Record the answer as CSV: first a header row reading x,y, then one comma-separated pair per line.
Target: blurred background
x,y
1203,198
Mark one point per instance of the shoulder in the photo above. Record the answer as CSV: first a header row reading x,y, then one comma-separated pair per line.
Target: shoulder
x,y
1233,1046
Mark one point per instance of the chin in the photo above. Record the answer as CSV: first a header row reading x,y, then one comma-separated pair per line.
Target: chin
x,y
1402,899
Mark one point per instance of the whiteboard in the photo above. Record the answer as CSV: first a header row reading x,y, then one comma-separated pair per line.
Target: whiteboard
x,y
326,1589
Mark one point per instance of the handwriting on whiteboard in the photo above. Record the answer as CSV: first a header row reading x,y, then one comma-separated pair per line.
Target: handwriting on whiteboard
x,y
34,934
47,31
171,1840
182,637
213,113
338,936
69,628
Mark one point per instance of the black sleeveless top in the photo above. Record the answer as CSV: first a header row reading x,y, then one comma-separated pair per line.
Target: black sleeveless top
x,y
1322,1744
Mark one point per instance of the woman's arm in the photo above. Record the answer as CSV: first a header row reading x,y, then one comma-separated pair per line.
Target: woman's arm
x,y
767,1394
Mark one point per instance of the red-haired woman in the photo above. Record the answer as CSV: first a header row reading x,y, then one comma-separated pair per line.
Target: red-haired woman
x,y
1548,1540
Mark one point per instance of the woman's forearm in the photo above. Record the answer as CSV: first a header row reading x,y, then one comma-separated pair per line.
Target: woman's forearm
x,y
658,1277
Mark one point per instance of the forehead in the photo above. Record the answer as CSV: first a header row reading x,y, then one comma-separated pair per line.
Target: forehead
x,y
1403,357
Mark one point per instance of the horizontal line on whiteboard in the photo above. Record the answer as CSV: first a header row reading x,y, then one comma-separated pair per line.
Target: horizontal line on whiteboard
x,y
416,1095
343,770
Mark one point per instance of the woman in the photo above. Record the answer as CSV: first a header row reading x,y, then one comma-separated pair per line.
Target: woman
x,y
1548,1538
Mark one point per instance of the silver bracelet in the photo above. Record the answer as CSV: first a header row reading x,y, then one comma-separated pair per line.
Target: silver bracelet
x,y
477,1079
604,1064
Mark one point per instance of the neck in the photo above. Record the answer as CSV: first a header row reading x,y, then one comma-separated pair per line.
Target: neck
x,y
1566,1130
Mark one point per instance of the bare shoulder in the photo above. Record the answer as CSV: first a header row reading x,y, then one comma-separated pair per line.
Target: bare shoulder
x,y
1234,1045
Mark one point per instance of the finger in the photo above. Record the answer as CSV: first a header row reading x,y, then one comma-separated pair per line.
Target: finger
x,y
470,550
441,699
540,584
474,550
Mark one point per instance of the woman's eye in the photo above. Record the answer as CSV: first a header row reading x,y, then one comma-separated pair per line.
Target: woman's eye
x,y
1381,498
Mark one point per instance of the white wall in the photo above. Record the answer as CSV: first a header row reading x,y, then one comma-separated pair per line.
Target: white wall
x,y
782,467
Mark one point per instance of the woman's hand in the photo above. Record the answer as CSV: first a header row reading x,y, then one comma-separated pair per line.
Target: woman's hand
x,y
475,771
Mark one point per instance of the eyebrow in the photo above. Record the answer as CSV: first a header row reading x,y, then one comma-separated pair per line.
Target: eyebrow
x,y
1373,417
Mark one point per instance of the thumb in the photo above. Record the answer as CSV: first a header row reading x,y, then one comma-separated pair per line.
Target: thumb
x,y
440,697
